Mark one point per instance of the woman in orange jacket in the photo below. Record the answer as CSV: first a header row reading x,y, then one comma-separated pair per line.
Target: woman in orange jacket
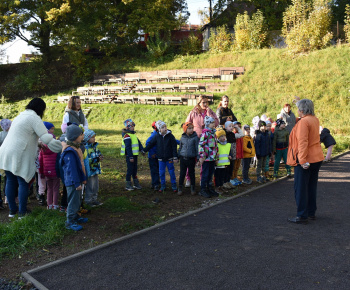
x,y
305,154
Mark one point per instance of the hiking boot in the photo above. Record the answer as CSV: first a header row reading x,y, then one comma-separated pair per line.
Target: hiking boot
x,y
193,190
180,190
174,187
128,186
137,184
188,183
204,193
260,179
74,227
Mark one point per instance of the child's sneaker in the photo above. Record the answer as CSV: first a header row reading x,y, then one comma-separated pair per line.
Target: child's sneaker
x,y
82,220
238,181
247,181
137,184
55,207
128,186
219,190
260,179
289,173
204,193
96,203
63,209
180,192
162,188
235,182
74,227
227,185
42,200
49,206
213,192
12,213
193,190
156,187
174,187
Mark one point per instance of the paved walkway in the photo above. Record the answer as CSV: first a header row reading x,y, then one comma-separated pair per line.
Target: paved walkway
x,y
244,243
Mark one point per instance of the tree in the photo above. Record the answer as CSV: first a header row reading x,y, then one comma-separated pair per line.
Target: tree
x,y
78,23
347,23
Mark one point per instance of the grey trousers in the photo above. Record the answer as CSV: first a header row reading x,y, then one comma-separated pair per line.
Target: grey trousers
x,y
91,190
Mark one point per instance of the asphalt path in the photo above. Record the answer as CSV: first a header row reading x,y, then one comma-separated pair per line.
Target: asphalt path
x,y
243,243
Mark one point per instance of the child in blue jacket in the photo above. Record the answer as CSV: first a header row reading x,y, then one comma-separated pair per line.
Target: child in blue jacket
x,y
153,159
72,162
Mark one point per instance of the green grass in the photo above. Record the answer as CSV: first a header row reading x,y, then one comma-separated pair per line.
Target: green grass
x,y
40,229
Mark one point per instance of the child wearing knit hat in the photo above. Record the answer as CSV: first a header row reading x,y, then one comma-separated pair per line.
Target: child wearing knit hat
x,y
153,160
47,169
72,162
92,164
262,143
166,153
131,146
248,154
222,164
208,154
188,153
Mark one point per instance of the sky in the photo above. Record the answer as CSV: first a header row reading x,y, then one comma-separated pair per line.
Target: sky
x,y
15,48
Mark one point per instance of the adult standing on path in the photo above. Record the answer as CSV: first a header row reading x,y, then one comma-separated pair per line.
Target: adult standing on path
x,y
74,113
305,154
196,117
198,113
223,112
19,151
288,117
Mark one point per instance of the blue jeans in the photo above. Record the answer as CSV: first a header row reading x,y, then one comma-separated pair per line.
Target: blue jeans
x,y
74,201
208,169
305,189
131,168
171,170
154,167
13,184
245,168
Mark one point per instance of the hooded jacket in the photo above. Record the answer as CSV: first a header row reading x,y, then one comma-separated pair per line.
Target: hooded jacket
x,y
248,147
208,147
223,113
188,145
127,142
47,161
326,138
262,143
166,146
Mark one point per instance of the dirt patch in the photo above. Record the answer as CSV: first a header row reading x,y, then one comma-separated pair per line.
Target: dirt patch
x,y
105,225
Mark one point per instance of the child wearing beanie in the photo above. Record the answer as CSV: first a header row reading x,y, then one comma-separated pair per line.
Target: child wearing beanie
x,y
166,153
262,143
131,146
208,154
72,162
47,169
248,154
239,153
188,152
280,147
223,163
153,160
92,164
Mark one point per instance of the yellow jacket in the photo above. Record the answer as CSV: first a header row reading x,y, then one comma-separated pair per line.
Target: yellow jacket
x,y
304,142
248,147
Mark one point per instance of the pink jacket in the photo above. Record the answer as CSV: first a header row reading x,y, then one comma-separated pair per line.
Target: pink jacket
x,y
47,160
198,120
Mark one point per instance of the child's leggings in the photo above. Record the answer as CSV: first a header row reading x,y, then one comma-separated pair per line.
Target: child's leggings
x,y
329,152
187,165
53,188
235,168
279,155
171,170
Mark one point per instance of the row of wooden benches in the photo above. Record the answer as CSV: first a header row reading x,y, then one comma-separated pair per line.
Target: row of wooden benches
x,y
154,100
105,90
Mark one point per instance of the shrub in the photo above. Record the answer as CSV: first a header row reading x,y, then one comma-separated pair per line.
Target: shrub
x,y
249,33
347,23
191,45
220,40
306,26
157,47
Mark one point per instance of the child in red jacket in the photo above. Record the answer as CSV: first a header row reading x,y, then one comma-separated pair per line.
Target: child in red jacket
x,y
239,152
47,169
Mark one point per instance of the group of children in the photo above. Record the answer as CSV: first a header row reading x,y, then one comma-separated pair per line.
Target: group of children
x,y
218,151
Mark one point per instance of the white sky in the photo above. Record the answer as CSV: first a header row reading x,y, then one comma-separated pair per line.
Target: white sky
x,y
15,49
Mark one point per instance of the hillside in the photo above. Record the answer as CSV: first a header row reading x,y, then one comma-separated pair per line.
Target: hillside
x,y
272,79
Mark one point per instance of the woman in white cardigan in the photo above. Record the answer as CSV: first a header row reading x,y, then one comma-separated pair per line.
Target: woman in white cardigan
x,y
19,151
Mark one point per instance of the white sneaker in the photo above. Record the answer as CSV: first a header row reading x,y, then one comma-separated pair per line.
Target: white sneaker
x,y
188,183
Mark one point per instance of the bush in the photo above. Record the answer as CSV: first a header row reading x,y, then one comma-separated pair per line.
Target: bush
x,y
220,40
191,45
157,47
306,27
249,33
347,23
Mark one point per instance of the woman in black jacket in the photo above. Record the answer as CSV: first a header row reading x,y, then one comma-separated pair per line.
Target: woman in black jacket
x,y
223,112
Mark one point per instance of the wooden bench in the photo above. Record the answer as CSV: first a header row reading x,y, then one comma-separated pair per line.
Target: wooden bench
x,y
171,100
147,100
114,81
126,99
